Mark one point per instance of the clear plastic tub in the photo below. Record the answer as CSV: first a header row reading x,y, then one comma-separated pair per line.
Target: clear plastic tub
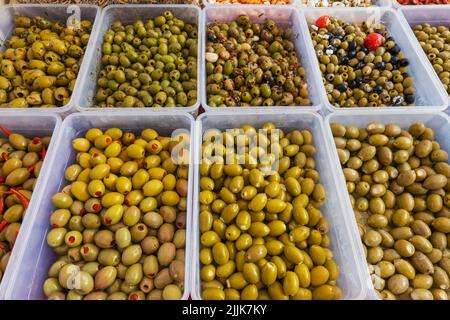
x,y
432,14
129,14
430,95
395,4
214,2
34,257
343,234
437,121
376,3
55,12
286,16
30,124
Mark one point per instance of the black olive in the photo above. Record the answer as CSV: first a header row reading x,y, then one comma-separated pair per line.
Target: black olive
x,y
360,65
404,62
380,65
378,89
409,98
352,45
342,87
365,50
351,54
211,36
352,84
359,80
343,60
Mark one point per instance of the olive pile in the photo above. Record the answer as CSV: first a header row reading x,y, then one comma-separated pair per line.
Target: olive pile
x,y
253,64
361,65
435,41
399,186
20,164
40,65
151,64
119,227
104,3
263,235
338,3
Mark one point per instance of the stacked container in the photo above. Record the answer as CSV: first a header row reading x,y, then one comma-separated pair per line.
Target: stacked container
x,y
32,257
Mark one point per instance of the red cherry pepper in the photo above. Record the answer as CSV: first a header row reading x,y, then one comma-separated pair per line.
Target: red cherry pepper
x,y
373,41
323,21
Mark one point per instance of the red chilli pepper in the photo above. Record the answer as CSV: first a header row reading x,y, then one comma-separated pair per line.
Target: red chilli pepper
x,y
44,152
5,130
21,197
3,225
5,156
2,205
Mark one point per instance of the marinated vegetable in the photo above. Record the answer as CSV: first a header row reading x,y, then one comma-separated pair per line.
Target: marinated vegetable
x,y
119,225
361,64
338,3
149,64
399,186
253,64
21,160
40,65
435,41
262,234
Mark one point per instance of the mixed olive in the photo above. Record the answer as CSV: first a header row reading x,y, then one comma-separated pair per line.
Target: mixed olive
x,y
21,160
399,185
149,64
253,64
361,65
435,41
119,225
40,65
262,234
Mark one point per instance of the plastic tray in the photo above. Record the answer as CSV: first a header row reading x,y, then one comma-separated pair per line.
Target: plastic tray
x,y
377,3
286,16
343,234
34,257
129,14
430,94
30,124
438,121
395,4
55,12
432,14
214,3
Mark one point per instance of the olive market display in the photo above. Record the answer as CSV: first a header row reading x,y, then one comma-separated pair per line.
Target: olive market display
x,y
149,64
41,62
119,225
435,41
21,160
104,3
399,186
262,233
361,65
253,64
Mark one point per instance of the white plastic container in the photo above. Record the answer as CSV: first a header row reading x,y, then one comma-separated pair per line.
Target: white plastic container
x,y
437,121
376,3
29,270
436,15
430,95
30,124
214,3
343,234
54,12
129,14
396,4
285,16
